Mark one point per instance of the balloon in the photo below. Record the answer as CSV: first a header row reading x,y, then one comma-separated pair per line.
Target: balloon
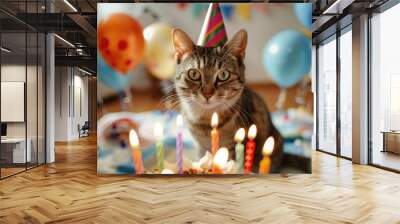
x,y
227,10
120,41
110,77
303,13
198,8
306,32
159,51
287,57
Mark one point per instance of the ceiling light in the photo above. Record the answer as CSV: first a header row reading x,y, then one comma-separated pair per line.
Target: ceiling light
x,y
64,40
5,50
84,71
331,7
337,7
70,5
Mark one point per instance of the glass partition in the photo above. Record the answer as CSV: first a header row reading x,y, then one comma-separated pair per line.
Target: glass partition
x,y
14,146
31,97
41,91
22,91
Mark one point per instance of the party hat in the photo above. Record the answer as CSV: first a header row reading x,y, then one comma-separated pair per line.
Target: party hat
x,y
213,32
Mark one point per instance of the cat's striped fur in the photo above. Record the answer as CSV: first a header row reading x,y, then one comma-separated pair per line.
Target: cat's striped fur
x,y
200,89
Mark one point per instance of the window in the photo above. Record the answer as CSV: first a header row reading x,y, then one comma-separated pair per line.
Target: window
x,y
346,93
327,96
385,89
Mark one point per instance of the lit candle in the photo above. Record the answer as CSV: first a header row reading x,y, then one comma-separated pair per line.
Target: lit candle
x,y
239,149
179,144
158,134
136,153
167,171
265,163
220,160
250,149
214,134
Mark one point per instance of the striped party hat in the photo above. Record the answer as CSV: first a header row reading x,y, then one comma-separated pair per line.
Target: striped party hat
x,y
213,32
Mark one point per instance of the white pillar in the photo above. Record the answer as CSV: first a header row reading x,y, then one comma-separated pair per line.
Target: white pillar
x,y
50,100
360,90
50,92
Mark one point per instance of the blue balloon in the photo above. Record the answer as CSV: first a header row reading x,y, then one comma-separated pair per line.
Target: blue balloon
x,y
227,11
303,13
109,77
287,57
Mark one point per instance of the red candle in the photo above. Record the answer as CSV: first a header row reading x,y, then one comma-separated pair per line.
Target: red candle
x,y
250,149
214,134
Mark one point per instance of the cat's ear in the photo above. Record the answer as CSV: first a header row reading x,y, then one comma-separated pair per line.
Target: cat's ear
x,y
184,46
237,45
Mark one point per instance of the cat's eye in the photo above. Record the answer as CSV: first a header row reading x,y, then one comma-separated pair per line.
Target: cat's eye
x,y
194,74
223,76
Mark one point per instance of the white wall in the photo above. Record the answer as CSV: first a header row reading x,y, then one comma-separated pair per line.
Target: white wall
x,y
70,83
261,27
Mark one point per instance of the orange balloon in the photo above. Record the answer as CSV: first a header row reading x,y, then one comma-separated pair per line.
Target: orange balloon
x,y
120,41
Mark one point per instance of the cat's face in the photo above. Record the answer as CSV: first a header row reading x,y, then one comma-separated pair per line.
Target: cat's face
x,y
209,78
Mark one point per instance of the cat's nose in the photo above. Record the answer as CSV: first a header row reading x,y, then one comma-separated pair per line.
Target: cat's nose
x,y
207,93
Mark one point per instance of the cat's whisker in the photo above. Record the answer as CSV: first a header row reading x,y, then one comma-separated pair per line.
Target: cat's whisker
x,y
241,121
247,115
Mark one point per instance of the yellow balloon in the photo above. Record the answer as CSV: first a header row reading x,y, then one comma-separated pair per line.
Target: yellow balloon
x,y
159,50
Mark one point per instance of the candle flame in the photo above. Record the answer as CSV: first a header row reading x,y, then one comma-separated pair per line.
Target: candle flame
x,y
268,146
133,139
239,136
179,120
214,120
158,130
221,157
252,132
167,171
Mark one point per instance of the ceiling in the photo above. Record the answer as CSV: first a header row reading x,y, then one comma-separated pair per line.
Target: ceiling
x,y
75,21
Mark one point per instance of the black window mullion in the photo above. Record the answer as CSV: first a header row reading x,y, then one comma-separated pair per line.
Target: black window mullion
x,y
338,73
0,96
37,90
26,87
316,97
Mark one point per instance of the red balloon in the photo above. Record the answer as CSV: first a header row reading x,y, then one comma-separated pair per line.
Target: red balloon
x,y
120,42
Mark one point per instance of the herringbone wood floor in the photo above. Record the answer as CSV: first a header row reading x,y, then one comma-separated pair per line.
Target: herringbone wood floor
x,y
70,191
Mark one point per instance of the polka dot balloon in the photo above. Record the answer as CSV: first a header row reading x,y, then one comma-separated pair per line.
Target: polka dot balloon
x,y
120,42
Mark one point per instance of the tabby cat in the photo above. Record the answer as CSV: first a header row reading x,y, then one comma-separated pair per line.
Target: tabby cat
x,y
212,79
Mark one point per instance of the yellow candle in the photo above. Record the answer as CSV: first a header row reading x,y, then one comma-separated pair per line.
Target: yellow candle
x,y
220,160
265,164
136,153
214,134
